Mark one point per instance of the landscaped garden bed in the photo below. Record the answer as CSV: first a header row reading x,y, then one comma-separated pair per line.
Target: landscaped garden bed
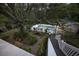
x,y
35,43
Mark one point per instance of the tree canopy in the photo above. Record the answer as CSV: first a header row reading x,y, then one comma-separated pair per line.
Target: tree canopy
x,y
19,14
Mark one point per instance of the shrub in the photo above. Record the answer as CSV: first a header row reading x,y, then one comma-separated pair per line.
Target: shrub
x,y
20,34
32,39
28,49
27,38
42,49
5,37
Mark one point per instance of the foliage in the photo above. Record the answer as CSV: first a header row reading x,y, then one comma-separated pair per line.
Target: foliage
x,y
4,37
23,14
71,38
20,34
42,49
26,37
7,34
19,15
31,38
28,49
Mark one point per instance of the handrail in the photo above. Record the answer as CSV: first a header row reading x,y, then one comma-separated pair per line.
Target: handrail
x,y
68,49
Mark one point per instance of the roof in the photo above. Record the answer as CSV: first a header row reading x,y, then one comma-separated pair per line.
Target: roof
x,y
42,25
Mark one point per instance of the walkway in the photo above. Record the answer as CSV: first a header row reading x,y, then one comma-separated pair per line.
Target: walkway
x,y
7,49
56,46
51,50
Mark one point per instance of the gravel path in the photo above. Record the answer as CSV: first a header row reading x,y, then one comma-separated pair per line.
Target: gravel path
x,y
36,45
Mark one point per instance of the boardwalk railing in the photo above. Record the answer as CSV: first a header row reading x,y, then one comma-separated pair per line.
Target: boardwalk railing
x,y
67,49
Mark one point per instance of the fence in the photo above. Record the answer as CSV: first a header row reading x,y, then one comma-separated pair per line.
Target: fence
x,y
67,49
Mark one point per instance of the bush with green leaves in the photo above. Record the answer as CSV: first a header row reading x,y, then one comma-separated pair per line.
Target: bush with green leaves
x,y
31,39
28,49
42,49
27,37
20,34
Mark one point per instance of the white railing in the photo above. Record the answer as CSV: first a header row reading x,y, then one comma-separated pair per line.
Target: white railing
x,y
67,49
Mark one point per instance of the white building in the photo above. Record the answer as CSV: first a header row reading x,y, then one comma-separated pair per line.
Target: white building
x,y
44,28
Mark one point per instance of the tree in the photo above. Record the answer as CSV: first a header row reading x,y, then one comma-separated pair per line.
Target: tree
x,y
16,12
